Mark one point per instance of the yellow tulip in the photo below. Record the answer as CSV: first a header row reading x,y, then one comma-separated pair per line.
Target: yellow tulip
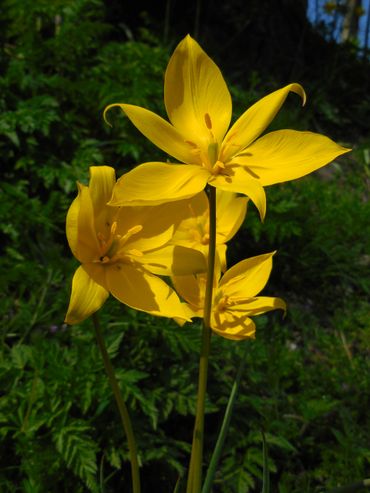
x,y
235,297
122,250
199,108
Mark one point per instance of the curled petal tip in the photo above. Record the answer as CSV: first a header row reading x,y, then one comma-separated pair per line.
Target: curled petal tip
x,y
106,111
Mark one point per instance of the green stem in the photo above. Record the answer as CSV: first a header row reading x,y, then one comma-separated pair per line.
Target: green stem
x,y
195,469
123,411
212,468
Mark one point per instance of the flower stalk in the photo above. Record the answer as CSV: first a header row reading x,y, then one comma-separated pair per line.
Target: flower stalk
x,y
123,411
195,469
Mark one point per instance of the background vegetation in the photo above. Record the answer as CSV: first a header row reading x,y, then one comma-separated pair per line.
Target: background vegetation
x,y
307,379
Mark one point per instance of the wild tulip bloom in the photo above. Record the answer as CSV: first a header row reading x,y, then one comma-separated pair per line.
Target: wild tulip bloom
x,y
122,250
193,230
199,108
235,297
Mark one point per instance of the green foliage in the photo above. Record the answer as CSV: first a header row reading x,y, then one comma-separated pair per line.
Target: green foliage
x,y
307,377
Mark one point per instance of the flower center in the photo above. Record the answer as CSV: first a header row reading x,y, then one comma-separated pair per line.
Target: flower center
x,y
115,247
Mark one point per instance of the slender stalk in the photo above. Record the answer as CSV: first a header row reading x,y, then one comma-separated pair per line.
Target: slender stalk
x,y
195,469
123,411
212,468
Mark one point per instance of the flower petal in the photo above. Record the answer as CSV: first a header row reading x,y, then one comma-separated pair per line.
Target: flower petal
x,y
159,131
158,183
258,305
248,277
255,120
288,154
241,181
80,227
233,327
102,181
196,96
192,290
144,291
231,211
173,260
86,298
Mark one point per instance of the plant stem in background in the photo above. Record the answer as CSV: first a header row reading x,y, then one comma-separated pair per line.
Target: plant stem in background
x,y
195,469
212,468
123,411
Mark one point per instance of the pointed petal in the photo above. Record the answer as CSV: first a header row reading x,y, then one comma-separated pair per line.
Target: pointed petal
x,y
144,291
196,96
173,260
248,277
288,154
255,120
241,181
86,298
159,131
258,305
158,183
231,211
80,227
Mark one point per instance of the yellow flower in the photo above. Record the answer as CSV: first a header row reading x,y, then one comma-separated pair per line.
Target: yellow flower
x,y
121,250
234,296
193,230
199,108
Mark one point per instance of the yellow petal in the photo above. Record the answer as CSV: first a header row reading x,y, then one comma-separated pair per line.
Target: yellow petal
x,y
173,260
80,227
159,131
158,183
231,211
197,100
255,120
72,225
192,290
102,181
258,305
288,154
241,181
86,298
248,277
232,326
144,291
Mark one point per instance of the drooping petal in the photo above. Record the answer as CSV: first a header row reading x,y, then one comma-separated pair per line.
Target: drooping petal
x,y
240,181
160,132
255,120
86,298
80,227
248,277
102,181
196,96
173,260
158,183
231,211
143,291
288,154
258,305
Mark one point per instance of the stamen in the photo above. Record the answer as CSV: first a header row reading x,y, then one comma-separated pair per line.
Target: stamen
x,y
208,121
135,252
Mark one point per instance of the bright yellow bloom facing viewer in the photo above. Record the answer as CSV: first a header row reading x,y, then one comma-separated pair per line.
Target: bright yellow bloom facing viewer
x,y
235,297
199,108
122,250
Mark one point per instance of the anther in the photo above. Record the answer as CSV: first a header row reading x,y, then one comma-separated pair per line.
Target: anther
x,y
208,121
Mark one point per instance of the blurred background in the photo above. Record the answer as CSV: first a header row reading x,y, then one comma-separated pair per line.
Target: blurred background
x,y
306,382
